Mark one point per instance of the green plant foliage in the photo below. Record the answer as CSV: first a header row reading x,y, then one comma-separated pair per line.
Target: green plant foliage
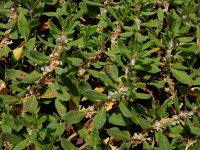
x,y
99,74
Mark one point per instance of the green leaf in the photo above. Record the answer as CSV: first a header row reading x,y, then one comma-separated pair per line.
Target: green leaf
x,y
144,123
51,2
103,77
195,146
189,48
124,49
12,138
158,84
134,118
142,95
160,14
176,102
177,129
22,145
185,39
67,81
74,61
112,12
164,108
15,74
149,68
10,100
85,135
117,119
83,86
30,104
92,3
32,60
45,42
119,135
151,24
4,51
179,66
163,142
32,77
195,130
125,146
94,95
146,146
39,56
67,145
187,103
99,119
127,34
112,72
95,139
60,107
31,43
181,76
54,29
73,116
125,111
22,26
63,95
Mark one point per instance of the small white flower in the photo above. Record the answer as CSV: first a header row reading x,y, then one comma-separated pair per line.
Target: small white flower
x,y
9,42
118,30
149,139
91,108
183,114
157,126
7,31
176,122
133,62
28,88
57,62
12,9
167,89
190,113
137,136
30,92
56,54
51,55
60,62
42,68
126,71
113,40
175,117
88,115
106,2
29,132
123,89
184,17
171,44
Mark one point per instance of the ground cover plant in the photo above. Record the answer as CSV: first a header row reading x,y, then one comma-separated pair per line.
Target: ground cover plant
x,y
99,74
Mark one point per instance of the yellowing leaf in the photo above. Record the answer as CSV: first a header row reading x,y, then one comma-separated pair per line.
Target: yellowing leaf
x,y
49,94
109,106
3,89
17,53
84,98
99,89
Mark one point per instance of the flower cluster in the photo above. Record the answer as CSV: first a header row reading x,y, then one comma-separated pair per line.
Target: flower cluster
x,y
115,34
6,40
55,61
174,120
89,111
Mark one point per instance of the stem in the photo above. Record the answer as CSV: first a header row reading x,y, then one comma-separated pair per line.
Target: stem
x,y
83,146
72,136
